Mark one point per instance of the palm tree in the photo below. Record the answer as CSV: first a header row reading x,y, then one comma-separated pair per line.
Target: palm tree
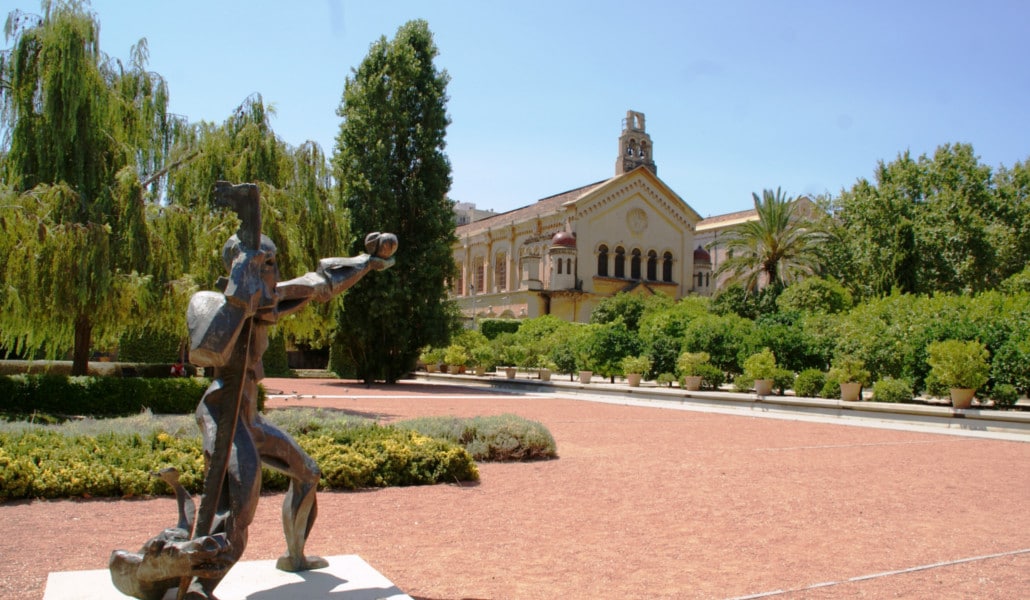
x,y
777,248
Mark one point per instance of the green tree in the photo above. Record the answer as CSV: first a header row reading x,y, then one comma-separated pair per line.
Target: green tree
x,y
393,176
84,137
815,295
629,307
302,216
940,223
605,345
775,249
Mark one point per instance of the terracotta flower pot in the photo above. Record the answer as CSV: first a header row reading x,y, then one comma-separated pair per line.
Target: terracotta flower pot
x,y
851,391
633,379
962,397
585,376
692,382
454,369
509,372
763,387
545,374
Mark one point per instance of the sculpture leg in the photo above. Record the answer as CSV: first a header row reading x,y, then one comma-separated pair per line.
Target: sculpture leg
x,y
240,490
300,507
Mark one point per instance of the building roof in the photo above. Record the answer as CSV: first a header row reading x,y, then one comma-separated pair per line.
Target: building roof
x,y
727,219
544,206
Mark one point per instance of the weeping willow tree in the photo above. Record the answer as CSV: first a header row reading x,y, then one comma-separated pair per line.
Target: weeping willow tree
x,y
82,137
299,214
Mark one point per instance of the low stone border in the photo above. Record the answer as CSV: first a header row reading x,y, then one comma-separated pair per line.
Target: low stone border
x,y
969,419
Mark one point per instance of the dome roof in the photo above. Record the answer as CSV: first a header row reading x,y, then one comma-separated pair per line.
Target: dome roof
x,y
564,238
702,256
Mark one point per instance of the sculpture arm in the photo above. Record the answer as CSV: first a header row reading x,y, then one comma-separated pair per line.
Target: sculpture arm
x,y
333,276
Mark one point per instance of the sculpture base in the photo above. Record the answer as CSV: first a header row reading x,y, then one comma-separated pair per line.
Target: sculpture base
x,y
347,577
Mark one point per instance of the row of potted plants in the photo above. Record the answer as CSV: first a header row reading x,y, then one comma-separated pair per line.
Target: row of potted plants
x,y
959,366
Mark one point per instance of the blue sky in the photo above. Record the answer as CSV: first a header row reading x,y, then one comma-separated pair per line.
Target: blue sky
x,y
738,95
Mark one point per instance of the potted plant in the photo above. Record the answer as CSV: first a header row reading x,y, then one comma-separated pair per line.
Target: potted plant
x,y
512,355
484,359
456,356
961,366
432,357
852,375
691,365
761,368
635,367
545,367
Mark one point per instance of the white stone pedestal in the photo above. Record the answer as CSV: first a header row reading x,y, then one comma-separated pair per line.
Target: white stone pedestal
x,y
347,577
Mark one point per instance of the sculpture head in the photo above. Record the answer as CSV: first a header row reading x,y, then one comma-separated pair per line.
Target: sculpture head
x,y
253,274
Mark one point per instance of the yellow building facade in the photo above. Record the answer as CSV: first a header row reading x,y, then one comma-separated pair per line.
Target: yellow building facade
x,y
562,254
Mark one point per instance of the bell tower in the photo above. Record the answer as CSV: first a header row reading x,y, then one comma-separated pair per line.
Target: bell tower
x,y
635,148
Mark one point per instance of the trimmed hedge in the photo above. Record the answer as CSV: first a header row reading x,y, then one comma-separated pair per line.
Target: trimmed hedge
x,y
102,396
39,462
492,328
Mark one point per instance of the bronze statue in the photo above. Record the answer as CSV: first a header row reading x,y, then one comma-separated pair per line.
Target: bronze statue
x,y
229,333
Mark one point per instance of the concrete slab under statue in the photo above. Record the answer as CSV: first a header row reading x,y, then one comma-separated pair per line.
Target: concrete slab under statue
x,y
228,332
347,577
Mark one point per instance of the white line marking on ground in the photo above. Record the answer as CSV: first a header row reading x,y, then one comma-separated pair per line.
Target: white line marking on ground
x,y
938,565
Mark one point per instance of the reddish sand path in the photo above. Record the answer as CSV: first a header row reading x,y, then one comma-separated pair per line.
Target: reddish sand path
x,y
642,503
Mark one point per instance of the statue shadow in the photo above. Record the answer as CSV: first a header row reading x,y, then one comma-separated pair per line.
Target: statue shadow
x,y
321,585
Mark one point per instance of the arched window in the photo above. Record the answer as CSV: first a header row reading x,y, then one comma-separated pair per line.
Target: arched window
x,y
559,266
652,265
700,278
602,261
620,262
480,277
634,265
501,272
667,267
708,279
568,266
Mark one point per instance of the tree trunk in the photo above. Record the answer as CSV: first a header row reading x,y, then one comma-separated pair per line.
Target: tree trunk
x,y
80,352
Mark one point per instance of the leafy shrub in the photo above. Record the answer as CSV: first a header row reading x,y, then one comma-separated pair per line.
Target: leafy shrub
x,y
496,438
809,382
100,396
149,346
782,380
1011,364
711,377
667,379
815,295
958,364
689,363
761,365
1004,395
492,328
743,383
890,389
275,359
831,387
636,364
116,457
849,369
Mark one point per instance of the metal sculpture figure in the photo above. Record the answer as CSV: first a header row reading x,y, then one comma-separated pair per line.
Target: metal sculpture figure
x,y
229,333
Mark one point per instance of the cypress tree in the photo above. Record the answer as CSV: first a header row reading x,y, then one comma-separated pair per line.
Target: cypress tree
x,y
393,175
